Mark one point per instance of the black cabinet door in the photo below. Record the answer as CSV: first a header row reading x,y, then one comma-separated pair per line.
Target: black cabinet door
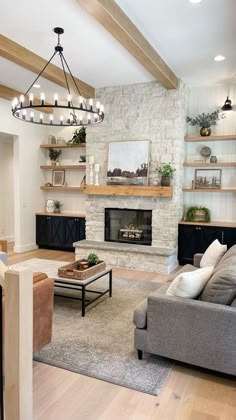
x,y
74,229
195,239
57,231
43,230
228,236
186,244
204,236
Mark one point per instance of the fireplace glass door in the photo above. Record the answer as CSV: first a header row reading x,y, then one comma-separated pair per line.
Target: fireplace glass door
x,y
128,226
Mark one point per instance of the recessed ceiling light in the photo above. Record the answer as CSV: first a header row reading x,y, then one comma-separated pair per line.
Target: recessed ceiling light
x,y
194,1
36,86
219,57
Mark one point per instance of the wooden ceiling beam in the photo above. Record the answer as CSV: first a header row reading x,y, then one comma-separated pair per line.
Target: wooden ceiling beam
x,y
112,17
27,59
9,94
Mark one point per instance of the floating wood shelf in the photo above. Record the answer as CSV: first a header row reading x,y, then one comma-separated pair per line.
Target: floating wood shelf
x,y
210,138
203,164
219,224
62,188
131,190
63,167
61,146
44,213
217,190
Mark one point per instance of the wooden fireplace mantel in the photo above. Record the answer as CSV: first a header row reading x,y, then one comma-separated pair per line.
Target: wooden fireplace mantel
x,y
131,190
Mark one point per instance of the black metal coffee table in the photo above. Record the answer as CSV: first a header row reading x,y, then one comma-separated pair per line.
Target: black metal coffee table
x,y
81,285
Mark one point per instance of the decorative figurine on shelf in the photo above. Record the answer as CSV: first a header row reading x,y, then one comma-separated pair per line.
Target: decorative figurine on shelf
x,y
79,136
97,170
50,205
82,158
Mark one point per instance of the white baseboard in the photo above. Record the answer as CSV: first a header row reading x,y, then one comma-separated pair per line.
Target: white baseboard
x,y
8,238
25,248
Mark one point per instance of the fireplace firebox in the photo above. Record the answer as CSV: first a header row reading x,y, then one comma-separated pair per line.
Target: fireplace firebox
x,y
128,226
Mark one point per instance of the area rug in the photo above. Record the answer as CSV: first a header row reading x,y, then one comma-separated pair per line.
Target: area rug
x,y
100,345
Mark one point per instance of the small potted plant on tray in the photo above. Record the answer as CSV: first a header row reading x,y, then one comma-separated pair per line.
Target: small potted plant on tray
x,y
166,171
93,259
206,121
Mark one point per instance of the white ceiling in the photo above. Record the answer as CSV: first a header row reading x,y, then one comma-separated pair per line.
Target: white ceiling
x,y
187,36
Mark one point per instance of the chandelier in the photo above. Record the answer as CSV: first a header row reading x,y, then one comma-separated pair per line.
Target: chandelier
x,y
74,112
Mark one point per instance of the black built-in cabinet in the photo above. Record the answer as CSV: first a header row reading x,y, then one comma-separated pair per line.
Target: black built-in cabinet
x,y
195,238
59,232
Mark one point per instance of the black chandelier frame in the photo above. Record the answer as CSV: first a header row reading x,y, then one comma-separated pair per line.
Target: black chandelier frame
x,y
19,107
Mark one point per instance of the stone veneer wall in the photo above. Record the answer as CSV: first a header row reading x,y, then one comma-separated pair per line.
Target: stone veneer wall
x,y
141,112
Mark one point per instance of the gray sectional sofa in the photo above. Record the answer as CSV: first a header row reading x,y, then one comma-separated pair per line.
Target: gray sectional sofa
x,y
201,331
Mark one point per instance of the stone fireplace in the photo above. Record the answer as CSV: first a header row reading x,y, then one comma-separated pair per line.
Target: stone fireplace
x,y
145,111
133,226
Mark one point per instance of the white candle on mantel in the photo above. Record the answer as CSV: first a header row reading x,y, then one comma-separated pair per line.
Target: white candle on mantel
x,y
91,160
97,167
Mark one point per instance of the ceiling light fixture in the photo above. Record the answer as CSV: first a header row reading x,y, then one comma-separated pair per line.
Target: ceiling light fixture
x,y
195,1
64,114
219,57
36,85
227,105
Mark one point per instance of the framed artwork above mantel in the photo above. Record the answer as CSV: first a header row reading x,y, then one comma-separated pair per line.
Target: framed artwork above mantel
x,y
128,162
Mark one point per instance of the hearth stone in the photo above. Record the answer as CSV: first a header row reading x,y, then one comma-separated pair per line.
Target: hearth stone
x,y
139,257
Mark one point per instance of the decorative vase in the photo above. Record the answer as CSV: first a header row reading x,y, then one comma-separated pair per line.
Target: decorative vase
x,y
53,162
165,181
205,131
213,159
57,210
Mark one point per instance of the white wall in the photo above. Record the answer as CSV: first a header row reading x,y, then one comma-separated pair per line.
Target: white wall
x,y
27,175
6,188
208,99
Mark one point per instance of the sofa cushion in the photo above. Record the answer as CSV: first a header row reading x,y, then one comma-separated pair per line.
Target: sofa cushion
x,y
230,253
140,315
38,276
3,269
221,288
190,284
213,254
184,269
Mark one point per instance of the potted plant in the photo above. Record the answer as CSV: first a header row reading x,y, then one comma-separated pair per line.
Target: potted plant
x,y
206,121
53,155
93,259
57,206
166,171
79,136
198,214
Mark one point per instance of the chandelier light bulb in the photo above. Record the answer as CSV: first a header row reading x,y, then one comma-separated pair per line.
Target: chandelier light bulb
x,y
41,117
14,102
56,99
24,114
89,118
31,116
22,99
31,98
69,99
61,119
51,118
102,108
81,100
42,97
98,106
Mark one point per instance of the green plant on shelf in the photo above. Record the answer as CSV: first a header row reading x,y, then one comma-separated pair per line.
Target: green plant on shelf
x,y
206,120
57,206
198,213
53,154
79,136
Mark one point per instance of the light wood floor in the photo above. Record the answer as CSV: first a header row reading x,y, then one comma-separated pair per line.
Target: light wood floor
x,y
189,393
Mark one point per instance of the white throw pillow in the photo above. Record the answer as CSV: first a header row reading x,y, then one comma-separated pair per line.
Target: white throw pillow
x,y
3,269
213,254
190,284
